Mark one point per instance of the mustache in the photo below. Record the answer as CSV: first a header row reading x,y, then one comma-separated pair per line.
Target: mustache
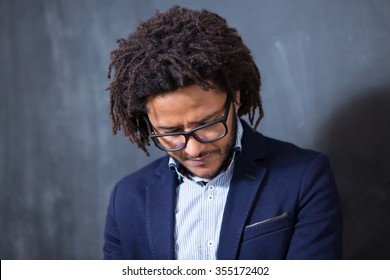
x,y
201,155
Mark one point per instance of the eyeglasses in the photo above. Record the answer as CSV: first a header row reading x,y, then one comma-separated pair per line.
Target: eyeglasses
x,y
206,133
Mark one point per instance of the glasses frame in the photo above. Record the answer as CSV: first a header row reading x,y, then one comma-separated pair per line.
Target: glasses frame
x,y
191,132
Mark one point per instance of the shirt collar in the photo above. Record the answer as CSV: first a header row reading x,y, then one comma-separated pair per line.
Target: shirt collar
x,y
180,171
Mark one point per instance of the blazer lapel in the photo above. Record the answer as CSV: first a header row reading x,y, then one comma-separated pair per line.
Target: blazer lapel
x,y
246,181
160,207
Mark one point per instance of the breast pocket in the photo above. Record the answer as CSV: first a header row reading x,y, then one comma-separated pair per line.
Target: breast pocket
x,y
280,222
267,239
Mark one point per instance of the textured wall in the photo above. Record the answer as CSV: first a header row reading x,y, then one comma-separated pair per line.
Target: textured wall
x,y
325,66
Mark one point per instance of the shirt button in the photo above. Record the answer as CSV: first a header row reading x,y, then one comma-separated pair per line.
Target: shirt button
x,y
210,243
211,197
211,187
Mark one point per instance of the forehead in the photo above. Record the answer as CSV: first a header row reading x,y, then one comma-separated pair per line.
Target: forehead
x,y
188,103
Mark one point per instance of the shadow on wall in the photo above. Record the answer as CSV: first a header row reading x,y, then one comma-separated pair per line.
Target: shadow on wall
x,y
357,140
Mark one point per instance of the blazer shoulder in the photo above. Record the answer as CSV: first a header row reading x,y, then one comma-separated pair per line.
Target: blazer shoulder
x,y
143,175
297,164
284,150
257,146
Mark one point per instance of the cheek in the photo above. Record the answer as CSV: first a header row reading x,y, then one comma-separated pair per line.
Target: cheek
x,y
175,155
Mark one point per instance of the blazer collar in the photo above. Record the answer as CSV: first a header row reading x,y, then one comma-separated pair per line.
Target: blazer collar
x,y
253,143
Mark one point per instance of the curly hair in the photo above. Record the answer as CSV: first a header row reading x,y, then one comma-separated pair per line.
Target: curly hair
x,y
175,49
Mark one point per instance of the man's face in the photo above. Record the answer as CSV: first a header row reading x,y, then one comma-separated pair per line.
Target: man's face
x,y
185,109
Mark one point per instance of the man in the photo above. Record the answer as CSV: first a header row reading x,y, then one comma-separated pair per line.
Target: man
x,y
224,191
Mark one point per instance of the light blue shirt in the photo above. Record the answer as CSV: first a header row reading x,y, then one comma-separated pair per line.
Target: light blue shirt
x,y
199,210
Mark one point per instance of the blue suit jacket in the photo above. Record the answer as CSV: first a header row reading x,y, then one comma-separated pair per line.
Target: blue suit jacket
x,y
282,204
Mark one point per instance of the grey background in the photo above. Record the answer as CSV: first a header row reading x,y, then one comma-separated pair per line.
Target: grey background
x,y
325,67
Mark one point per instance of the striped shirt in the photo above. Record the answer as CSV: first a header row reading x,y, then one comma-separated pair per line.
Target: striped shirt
x,y
199,210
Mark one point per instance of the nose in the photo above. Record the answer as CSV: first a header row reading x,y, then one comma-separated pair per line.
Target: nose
x,y
194,148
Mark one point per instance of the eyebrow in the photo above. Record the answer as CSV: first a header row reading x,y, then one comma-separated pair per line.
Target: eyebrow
x,y
197,122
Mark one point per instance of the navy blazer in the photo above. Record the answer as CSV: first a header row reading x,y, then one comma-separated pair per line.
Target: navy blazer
x,y
282,204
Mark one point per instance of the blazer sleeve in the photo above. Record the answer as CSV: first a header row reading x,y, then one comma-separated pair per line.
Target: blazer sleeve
x,y
112,245
317,233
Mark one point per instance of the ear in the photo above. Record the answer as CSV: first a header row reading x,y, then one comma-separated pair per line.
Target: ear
x,y
236,101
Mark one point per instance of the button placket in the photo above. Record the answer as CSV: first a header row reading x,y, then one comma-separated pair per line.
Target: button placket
x,y
211,193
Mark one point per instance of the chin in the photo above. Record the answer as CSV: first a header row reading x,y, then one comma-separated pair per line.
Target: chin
x,y
206,174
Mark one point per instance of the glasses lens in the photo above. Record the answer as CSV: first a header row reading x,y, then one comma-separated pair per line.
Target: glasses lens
x,y
171,142
211,133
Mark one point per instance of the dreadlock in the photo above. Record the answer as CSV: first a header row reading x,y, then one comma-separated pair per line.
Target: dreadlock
x,y
179,48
